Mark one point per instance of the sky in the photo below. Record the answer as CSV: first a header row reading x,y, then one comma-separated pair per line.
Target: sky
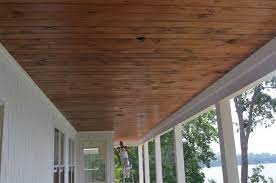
x,y
259,141
262,140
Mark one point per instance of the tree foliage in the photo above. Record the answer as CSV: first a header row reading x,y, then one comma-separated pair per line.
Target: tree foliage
x,y
133,156
254,107
198,135
258,177
168,157
152,161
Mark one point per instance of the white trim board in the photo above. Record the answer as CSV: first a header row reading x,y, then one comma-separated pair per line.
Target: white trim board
x,y
256,66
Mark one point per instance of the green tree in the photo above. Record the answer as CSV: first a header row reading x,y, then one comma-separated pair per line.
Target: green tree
x,y
211,181
133,156
198,135
168,157
152,161
257,176
254,107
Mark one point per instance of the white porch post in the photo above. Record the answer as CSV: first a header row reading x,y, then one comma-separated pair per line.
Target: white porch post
x,y
141,165
227,142
179,155
146,159
158,161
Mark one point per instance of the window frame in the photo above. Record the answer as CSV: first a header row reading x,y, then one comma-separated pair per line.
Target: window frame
x,y
60,165
71,160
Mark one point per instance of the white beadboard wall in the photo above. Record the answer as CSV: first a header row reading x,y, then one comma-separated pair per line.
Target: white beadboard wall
x,y
29,122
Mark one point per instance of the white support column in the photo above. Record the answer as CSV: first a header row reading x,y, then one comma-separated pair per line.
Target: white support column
x,y
146,160
179,155
158,160
227,142
141,165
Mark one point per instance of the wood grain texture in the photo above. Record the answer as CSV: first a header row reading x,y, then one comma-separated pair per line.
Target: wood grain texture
x,y
126,65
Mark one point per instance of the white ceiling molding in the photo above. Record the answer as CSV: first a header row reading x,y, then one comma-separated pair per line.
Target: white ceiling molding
x,y
256,66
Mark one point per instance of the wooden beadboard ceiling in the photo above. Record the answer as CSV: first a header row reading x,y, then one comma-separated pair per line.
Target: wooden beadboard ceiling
x,y
126,65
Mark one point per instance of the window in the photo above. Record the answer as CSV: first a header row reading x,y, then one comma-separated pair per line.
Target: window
x,y
94,165
59,166
71,174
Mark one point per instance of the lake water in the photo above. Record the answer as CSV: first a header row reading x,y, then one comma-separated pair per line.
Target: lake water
x,y
216,172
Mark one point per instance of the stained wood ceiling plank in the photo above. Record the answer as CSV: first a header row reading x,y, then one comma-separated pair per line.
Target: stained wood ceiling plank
x,y
128,37
131,23
136,12
138,46
232,51
241,30
187,39
192,3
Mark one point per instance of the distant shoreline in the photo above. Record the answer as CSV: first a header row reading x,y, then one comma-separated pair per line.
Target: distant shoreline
x,y
248,164
216,174
253,159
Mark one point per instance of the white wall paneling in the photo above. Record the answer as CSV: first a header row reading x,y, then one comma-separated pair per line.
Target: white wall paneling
x,y
1,128
28,128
